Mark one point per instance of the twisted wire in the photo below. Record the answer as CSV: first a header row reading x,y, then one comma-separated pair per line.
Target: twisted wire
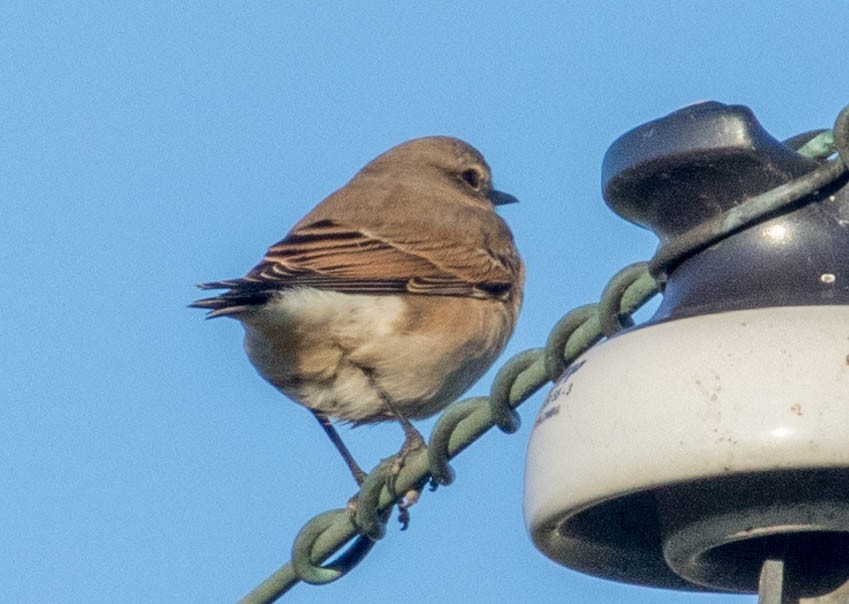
x,y
458,427
765,205
524,374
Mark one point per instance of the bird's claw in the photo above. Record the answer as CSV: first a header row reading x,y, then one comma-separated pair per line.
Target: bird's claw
x,y
410,499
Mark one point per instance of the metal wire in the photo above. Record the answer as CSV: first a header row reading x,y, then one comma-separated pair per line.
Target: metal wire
x,y
768,204
458,427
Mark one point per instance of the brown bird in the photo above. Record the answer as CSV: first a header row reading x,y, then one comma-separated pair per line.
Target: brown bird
x,y
390,298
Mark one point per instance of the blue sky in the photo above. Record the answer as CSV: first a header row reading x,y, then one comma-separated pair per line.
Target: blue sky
x,y
147,147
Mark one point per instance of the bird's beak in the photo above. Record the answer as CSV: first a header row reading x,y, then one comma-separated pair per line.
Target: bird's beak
x,y
500,198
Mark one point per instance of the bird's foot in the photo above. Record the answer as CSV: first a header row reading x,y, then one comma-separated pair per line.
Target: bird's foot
x,y
351,506
411,497
387,473
358,475
414,442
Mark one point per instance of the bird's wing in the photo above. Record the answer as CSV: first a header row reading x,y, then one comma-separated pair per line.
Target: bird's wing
x,y
329,255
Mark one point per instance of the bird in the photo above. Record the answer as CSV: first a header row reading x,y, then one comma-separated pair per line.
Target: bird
x,y
390,298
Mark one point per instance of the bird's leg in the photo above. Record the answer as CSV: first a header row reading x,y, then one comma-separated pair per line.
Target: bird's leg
x,y
355,469
413,441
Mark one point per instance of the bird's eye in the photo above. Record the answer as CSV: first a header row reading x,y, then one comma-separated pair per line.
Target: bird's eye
x,y
472,178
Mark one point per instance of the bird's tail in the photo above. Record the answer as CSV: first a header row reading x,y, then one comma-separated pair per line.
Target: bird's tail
x,y
243,295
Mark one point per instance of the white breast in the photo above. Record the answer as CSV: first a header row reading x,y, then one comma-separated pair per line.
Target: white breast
x,y
306,343
345,354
